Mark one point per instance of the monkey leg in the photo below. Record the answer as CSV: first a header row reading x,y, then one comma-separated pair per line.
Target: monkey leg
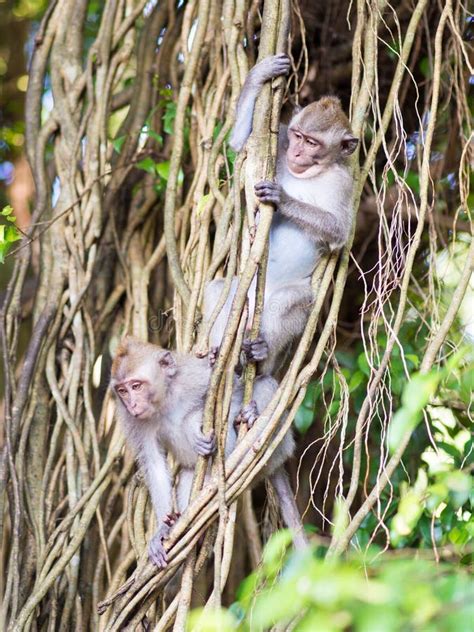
x,y
285,314
289,510
212,294
183,490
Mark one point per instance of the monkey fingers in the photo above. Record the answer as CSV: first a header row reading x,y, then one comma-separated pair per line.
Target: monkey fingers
x,y
205,445
273,66
255,350
248,415
268,192
156,550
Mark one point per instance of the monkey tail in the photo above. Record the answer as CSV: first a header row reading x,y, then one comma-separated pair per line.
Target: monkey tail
x,y
271,517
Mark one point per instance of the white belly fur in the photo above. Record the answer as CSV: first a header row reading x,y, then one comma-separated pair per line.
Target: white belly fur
x,y
292,255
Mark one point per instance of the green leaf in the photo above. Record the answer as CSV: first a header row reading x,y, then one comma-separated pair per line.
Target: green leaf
x,y
419,390
155,136
117,143
304,419
449,449
459,485
425,67
437,494
147,164
12,234
169,117
412,180
275,551
278,604
340,518
356,380
363,364
216,620
414,359
163,169
7,210
458,536
403,421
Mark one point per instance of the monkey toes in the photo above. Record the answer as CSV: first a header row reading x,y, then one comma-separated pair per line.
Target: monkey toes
x,y
157,553
212,356
268,192
156,549
248,415
205,445
255,350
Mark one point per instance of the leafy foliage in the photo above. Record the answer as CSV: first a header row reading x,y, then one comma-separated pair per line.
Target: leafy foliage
x,y
370,593
9,233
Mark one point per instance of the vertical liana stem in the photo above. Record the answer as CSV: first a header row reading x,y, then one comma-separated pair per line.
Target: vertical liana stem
x,y
340,544
261,158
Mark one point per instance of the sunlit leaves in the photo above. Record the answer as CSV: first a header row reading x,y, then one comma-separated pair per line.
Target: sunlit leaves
x,y
387,594
201,620
9,233
416,395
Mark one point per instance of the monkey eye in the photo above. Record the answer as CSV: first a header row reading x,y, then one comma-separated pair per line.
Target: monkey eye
x,y
137,386
313,143
121,391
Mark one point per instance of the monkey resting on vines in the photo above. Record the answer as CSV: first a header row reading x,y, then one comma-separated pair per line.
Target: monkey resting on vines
x,y
312,198
160,396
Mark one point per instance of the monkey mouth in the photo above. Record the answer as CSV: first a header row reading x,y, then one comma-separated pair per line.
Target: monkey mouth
x,y
141,414
300,167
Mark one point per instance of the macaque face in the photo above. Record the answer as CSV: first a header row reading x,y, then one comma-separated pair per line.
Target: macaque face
x,y
138,397
304,150
319,135
141,376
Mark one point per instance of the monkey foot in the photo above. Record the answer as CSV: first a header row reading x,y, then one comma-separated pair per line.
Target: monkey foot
x,y
255,350
156,550
268,192
248,415
212,356
205,445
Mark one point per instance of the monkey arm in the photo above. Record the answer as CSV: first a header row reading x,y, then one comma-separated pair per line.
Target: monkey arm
x,y
315,221
158,479
267,69
320,225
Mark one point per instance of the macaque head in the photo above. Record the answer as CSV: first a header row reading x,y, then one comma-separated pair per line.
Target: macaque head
x,y
141,374
318,135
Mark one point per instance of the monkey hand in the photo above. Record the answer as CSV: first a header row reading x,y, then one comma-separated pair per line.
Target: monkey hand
x,y
205,445
156,550
255,350
268,192
270,67
248,415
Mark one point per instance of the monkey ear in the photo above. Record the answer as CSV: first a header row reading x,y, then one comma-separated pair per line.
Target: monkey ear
x,y
167,361
349,144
